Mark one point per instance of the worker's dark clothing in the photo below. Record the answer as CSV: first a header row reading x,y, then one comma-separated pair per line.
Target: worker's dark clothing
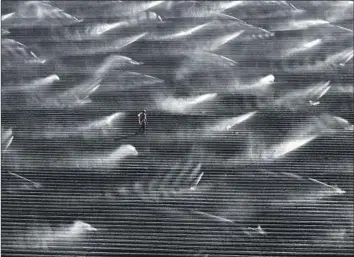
x,y
142,122
142,127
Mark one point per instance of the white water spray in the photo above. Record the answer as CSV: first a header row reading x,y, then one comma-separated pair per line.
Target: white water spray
x,y
183,105
228,124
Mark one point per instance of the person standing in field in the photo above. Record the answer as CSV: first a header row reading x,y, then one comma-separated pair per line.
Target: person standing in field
x,y
142,121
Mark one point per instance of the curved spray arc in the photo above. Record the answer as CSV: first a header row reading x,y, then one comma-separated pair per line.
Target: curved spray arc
x,y
99,161
46,237
33,13
184,105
